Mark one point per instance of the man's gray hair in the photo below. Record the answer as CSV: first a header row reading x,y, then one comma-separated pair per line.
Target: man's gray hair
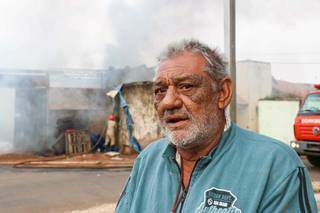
x,y
216,66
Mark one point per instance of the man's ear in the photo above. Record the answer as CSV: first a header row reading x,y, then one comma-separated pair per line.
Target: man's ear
x,y
225,93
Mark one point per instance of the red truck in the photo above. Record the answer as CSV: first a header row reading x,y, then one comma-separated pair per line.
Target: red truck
x,y
307,127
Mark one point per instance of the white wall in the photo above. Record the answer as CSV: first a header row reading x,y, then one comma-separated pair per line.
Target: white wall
x,y
7,113
254,82
276,119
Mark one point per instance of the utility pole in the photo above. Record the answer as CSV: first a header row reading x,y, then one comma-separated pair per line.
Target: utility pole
x,y
230,50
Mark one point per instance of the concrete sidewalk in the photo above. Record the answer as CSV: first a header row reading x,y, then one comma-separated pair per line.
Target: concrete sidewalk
x,y
105,208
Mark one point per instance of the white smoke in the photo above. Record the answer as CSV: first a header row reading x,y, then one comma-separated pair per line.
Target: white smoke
x,y
47,34
43,34
57,34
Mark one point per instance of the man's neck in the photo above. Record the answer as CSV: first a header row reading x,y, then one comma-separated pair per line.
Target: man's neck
x,y
188,161
193,154
190,156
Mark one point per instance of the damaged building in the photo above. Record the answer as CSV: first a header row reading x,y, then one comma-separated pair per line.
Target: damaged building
x,y
77,100
38,107
23,110
138,96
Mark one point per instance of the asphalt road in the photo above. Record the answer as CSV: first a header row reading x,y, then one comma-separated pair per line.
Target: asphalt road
x,y
45,190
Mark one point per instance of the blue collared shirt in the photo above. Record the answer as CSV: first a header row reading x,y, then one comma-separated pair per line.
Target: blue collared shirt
x,y
246,172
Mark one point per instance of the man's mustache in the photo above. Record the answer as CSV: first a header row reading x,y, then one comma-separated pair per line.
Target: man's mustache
x,y
176,113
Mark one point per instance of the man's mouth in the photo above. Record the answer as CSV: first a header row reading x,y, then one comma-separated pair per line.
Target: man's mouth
x,y
173,122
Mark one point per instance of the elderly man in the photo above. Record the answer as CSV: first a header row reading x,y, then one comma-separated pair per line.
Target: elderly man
x,y
205,163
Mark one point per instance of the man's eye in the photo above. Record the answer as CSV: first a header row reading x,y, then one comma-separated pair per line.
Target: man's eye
x,y
186,86
159,91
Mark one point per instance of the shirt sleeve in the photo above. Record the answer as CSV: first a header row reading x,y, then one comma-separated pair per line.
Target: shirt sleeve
x,y
123,202
292,194
126,197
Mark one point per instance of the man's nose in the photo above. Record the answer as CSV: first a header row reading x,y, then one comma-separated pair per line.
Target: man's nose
x,y
171,100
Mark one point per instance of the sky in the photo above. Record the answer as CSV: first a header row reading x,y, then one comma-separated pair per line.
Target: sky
x,y
96,34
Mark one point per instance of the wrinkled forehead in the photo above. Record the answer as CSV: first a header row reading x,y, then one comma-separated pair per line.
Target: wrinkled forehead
x,y
186,63
176,79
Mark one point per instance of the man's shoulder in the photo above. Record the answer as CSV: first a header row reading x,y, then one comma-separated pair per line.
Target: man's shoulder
x,y
151,156
266,147
155,148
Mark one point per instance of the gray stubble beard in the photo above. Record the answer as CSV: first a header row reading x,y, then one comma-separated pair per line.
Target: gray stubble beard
x,y
196,134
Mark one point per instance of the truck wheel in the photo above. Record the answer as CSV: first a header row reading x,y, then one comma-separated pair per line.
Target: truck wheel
x,y
314,160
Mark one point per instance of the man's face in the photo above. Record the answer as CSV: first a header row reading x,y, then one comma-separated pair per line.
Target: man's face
x,y
186,100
